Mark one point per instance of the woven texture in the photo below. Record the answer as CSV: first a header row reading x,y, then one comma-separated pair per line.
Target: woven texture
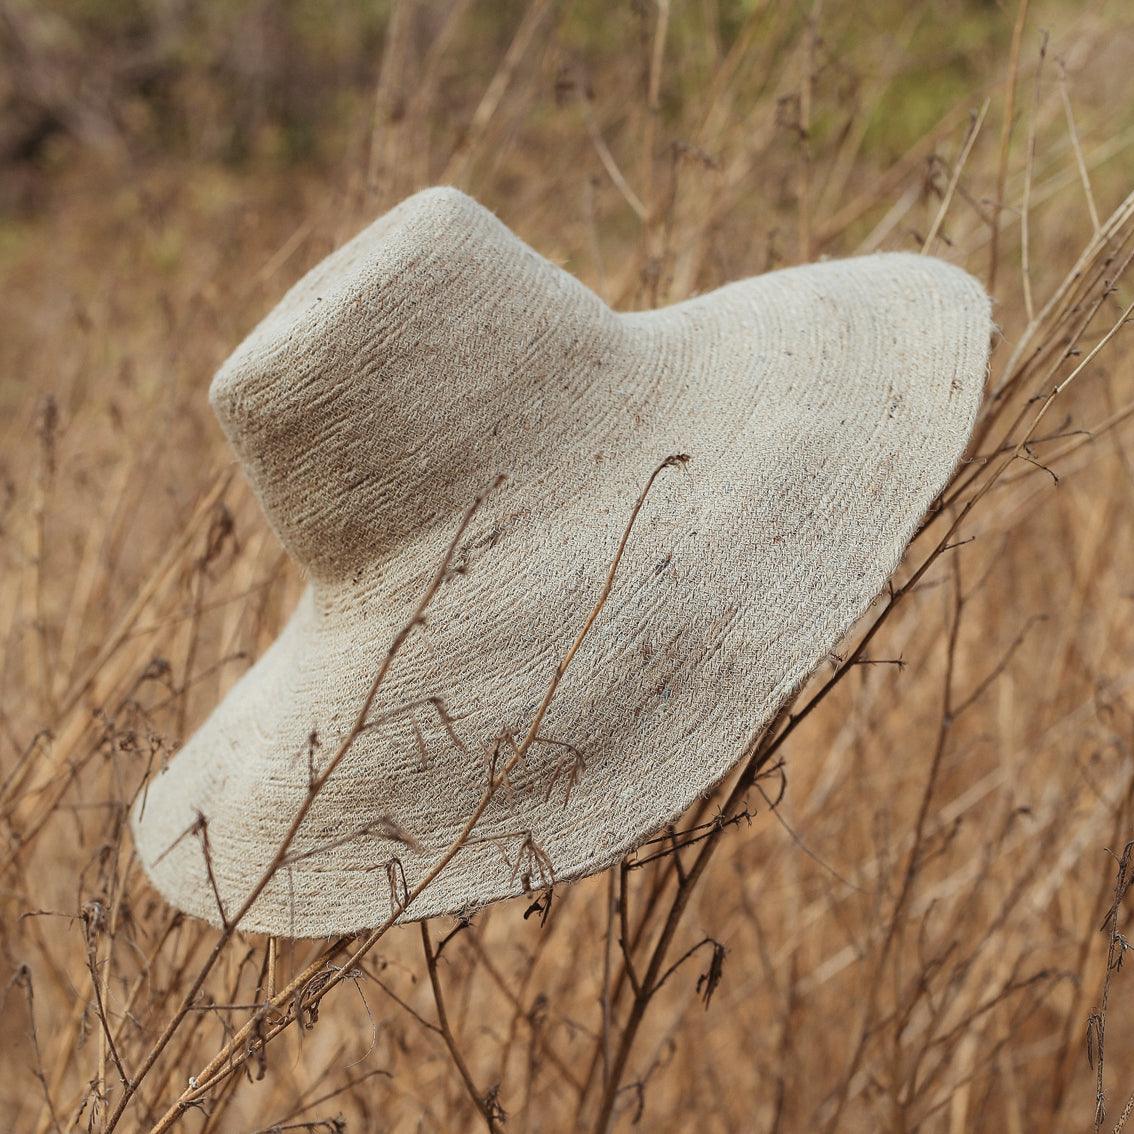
x,y
824,408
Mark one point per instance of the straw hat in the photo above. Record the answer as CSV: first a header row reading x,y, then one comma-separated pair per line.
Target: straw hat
x,y
823,408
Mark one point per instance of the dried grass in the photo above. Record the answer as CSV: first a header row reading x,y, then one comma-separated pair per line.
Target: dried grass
x,y
906,909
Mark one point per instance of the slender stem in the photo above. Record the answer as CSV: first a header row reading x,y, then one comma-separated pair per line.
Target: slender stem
x,y
479,1098
238,1050
648,981
301,813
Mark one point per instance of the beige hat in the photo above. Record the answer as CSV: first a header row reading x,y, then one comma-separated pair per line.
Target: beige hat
x,y
823,407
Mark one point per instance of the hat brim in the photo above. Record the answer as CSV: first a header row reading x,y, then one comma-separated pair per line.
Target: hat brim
x,y
824,408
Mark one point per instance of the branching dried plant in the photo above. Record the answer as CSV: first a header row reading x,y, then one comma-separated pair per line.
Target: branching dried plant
x,y
889,915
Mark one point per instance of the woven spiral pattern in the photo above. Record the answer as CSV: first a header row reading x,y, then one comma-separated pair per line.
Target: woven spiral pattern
x,y
824,408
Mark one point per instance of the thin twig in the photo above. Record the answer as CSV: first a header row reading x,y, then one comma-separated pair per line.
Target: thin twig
x,y
490,1112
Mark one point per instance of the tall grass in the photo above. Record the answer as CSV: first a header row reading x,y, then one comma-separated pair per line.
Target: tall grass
x,y
906,910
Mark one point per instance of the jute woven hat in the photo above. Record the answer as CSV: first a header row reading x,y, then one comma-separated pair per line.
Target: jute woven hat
x,y
823,409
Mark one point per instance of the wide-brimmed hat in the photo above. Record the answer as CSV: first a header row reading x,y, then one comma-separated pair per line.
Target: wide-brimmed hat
x,y
823,408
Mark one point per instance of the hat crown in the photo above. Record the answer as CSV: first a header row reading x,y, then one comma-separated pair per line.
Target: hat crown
x,y
402,374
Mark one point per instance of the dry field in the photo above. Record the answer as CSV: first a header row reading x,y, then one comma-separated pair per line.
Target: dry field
x,y
908,911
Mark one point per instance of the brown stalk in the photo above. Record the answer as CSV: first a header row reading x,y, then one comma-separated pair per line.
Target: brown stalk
x,y
1006,140
489,1111
232,1057
314,787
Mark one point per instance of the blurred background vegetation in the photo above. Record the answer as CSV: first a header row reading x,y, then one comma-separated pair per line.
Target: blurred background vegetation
x,y
254,85
131,104
268,83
